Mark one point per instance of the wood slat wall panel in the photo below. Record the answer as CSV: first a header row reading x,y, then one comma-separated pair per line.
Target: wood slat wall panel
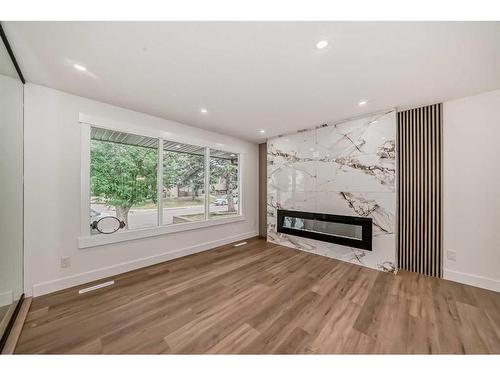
x,y
420,189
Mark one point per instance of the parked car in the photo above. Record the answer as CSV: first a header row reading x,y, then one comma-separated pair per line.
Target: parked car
x,y
222,201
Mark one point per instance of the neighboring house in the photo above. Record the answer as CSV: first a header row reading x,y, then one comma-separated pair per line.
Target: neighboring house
x,y
179,191
219,188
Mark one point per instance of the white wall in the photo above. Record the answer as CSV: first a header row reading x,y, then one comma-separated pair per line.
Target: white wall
x,y
52,196
472,189
11,189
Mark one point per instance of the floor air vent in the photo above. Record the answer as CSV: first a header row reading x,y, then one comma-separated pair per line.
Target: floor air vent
x,y
94,287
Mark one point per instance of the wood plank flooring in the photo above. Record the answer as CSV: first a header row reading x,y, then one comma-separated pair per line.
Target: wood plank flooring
x,y
265,298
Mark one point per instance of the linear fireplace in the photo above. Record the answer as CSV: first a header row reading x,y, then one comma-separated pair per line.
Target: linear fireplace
x,y
343,230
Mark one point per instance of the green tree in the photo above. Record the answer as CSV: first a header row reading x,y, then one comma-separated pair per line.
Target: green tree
x,y
123,175
226,171
181,169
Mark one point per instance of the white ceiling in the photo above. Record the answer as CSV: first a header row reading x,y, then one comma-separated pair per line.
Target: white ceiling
x,y
260,75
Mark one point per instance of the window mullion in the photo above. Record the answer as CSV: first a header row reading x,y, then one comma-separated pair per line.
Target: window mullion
x,y
85,179
207,182
159,196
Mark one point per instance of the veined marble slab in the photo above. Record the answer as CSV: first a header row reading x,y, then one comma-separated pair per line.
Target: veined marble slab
x,y
346,169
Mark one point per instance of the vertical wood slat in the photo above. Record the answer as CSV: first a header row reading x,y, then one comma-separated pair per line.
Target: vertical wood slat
x,y
420,189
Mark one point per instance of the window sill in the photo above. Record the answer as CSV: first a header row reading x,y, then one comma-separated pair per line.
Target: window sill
x,y
134,234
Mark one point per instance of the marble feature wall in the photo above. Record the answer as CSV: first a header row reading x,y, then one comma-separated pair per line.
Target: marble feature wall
x,y
347,168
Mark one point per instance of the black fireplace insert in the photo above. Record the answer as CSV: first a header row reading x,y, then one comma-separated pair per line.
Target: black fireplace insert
x,y
343,230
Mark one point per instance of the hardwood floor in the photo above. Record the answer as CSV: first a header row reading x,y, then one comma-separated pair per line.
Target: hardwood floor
x,y
265,298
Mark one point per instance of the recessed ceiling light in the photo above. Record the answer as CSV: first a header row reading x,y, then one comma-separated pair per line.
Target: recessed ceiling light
x,y
362,103
203,110
322,44
79,67
262,131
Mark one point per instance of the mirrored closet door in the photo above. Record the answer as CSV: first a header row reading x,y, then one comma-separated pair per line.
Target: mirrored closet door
x,y
11,189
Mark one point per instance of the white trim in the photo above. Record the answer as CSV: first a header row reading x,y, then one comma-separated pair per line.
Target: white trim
x,y
474,280
159,179
134,234
90,276
240,186
206,182
85,181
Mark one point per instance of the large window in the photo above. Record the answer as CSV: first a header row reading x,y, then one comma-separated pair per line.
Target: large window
x,y
123,179
224,192
183,183
139,182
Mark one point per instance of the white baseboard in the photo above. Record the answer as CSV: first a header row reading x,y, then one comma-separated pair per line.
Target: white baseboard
x,y
474,280
86,277
6,298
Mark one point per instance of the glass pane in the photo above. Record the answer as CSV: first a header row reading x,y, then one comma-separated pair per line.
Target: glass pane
x,y
11,188
123,170
336,229
224,184
183,183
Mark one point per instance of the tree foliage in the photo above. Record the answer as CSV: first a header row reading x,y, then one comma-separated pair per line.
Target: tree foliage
x,y
226,171
183,170
123,175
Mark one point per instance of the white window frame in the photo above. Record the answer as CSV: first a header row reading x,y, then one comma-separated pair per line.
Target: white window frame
x,y
87,239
